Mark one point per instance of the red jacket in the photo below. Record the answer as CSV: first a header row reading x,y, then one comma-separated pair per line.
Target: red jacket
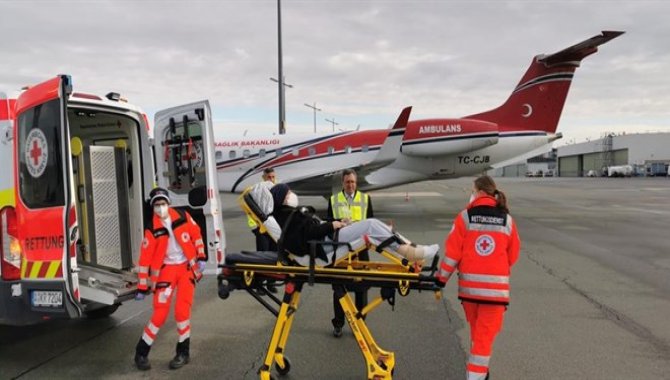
x,y
483,244
155,244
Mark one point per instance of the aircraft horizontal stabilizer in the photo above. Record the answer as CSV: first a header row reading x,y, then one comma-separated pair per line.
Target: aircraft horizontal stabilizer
x,y
574,54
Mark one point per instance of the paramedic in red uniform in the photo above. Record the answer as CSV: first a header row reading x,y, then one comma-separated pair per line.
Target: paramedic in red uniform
x,y
171,261
483,245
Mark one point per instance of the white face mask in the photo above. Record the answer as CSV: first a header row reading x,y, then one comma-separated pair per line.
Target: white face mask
x,y
161,211
292,200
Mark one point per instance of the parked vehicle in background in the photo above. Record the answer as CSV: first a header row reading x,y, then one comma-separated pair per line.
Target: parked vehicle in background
x,y
591,173
656,169
620,171
549,173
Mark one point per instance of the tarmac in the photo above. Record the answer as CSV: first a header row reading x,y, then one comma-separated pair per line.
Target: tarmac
x,y
590,299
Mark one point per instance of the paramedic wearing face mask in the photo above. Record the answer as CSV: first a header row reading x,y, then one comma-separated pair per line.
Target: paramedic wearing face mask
x,y
171,261
483,244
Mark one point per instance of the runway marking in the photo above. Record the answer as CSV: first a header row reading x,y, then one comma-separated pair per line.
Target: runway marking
x,y
636,209
410,194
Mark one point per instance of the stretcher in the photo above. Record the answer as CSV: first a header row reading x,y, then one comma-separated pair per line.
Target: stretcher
x,y
254,271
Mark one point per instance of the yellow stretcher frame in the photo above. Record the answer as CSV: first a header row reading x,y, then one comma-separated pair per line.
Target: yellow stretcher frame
x,y
390,276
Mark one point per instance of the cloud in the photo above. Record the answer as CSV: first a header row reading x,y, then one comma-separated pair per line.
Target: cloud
x,y
360,61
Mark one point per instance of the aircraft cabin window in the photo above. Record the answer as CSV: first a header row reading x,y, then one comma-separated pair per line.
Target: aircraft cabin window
x,y
219,155
312,151
231,154
365,148
295,152
246,153
331,150
278,152
347,149
261,153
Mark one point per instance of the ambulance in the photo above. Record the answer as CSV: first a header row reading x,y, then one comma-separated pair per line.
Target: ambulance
x,y
76,173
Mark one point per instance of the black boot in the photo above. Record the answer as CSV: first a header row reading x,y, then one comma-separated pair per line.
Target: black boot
x,y
142,355
182,357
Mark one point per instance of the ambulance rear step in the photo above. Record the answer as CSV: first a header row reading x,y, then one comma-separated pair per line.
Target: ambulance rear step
x,y
106,286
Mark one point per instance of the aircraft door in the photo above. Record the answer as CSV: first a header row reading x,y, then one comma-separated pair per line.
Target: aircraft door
x,y
46,217
186,167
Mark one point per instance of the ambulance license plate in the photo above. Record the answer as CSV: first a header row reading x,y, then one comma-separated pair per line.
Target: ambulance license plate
x,y
47,298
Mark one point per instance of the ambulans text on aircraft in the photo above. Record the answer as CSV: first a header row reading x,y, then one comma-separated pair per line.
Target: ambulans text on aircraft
x,y
415,150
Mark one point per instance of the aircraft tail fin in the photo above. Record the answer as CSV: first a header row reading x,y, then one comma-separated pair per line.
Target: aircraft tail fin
x,y
403,118
537,101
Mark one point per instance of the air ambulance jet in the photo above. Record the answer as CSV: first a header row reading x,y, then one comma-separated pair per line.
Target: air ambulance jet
x,y
418,150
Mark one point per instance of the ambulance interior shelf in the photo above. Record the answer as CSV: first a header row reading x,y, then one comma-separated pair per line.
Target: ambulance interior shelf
x,y
252,271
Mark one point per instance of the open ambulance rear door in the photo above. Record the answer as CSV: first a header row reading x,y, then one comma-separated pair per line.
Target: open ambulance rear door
x,y
46,220
186,167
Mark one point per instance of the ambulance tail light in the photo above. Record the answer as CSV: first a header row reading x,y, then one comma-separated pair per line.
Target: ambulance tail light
x,y
10,263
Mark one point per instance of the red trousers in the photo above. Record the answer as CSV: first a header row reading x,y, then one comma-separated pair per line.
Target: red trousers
x,y
485,322
173,279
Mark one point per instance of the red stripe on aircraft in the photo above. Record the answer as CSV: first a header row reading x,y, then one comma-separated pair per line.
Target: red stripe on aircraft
x,y
354,141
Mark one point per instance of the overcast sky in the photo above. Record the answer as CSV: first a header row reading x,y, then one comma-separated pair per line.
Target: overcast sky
x,y
360,61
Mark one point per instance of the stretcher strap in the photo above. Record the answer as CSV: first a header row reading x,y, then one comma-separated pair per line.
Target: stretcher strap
x,y
283,256
387,242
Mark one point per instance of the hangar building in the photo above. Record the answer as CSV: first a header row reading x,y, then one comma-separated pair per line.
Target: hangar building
x,y
648,153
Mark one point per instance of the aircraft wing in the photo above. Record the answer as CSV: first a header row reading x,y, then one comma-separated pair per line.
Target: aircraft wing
x,y
389,151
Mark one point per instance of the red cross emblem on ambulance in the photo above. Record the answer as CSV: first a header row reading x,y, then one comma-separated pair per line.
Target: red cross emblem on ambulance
x,y
484,245
36,152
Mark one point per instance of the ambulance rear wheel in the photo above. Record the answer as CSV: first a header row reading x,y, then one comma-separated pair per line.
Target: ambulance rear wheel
x,y
286,369
102,312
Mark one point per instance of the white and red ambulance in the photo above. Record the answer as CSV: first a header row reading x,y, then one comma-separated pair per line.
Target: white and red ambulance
x,y
76,171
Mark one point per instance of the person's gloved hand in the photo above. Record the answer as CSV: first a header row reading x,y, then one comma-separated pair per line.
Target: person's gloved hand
x,y
139,296
201,266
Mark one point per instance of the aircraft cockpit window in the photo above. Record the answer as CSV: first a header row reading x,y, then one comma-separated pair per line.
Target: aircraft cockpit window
x,y
246,153
365,148
295,152
261,153
312,151
331,150
347,149
231,154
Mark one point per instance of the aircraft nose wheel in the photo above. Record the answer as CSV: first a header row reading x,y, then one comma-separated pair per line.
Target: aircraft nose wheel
x,y
287,367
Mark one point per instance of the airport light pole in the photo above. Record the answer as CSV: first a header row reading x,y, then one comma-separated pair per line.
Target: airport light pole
x,y
282,104
280,75
333,123
315,109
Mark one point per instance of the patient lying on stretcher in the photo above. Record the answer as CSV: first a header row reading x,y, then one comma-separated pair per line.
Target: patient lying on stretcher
x,y
301,227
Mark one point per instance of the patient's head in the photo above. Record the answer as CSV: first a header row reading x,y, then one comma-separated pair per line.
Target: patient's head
x,y
282,195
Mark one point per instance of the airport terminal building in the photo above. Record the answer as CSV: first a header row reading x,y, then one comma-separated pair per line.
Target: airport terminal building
x,y
648,153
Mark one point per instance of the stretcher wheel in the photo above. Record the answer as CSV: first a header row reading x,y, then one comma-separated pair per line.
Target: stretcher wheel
x,y
286,369
224,291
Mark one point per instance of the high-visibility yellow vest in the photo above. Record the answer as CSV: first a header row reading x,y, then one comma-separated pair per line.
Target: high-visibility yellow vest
x,y
251,223
356,210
